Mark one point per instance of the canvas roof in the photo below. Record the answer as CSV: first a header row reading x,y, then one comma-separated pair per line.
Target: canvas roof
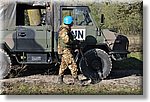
x,y
8,9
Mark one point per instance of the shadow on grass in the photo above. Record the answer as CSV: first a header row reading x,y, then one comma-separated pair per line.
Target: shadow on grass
x,y
127,67
35,70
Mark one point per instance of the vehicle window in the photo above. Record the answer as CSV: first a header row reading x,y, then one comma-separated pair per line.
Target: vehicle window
x,y
28,15
80,15
66,12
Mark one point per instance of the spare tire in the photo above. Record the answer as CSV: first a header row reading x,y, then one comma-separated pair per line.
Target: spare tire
x,y
5,64
95,64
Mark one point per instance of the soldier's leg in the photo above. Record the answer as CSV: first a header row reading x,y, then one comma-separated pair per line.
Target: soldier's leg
x,y
62,68
70,62
73,68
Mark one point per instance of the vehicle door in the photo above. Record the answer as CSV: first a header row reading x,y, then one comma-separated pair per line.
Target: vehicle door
x,y
31,29
84,28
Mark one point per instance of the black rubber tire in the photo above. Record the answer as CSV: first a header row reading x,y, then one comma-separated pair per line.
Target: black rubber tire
x,y
98,65
5,64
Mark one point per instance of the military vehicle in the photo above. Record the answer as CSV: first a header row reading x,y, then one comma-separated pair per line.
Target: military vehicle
x,y
29,36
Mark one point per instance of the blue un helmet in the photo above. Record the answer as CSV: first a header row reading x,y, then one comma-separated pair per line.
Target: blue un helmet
x,y
68,20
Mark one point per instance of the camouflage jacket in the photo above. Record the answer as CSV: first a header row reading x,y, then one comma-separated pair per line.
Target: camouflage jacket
x,y
65,38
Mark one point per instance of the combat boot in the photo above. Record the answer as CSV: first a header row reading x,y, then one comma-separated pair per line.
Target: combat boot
x,y
60,79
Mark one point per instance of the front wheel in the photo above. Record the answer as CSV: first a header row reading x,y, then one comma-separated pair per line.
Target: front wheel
x,y
5,64
95,64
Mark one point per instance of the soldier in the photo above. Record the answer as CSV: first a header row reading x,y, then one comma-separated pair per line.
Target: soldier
x,y
65,40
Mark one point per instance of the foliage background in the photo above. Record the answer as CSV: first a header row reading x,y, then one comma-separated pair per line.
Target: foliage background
x,y
125,18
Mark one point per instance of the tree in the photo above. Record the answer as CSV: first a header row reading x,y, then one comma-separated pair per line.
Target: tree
x,y
125,18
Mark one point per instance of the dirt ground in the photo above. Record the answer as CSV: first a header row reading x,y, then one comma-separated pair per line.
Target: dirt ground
x,y
131,81
118,80
126,77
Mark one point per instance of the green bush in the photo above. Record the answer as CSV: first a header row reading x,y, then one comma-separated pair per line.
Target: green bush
x,y
123,17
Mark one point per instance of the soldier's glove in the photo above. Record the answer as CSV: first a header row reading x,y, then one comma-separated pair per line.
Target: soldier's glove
x,y
76,43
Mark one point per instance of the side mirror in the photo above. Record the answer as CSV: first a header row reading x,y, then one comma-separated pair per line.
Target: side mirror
x,y
102,18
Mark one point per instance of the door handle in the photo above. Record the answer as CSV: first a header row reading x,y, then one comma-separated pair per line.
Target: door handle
x,y
22,34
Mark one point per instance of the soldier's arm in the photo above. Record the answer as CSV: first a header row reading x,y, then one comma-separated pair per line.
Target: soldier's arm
x,y
65,38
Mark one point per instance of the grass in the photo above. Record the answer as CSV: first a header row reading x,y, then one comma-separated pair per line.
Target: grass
x,y
55,89
137,55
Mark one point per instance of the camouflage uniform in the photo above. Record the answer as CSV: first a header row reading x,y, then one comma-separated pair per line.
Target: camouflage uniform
x,y
64,41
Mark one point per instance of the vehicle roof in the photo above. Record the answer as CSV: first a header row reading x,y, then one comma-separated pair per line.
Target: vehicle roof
x,y
8,8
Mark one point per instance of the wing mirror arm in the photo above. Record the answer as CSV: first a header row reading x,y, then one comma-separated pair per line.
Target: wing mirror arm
x,y
102,18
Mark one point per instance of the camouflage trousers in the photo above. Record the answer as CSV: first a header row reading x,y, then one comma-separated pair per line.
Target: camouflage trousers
x,y
68,61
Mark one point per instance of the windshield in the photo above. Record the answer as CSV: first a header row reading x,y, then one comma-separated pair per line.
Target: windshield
x,y
82,17
80,14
